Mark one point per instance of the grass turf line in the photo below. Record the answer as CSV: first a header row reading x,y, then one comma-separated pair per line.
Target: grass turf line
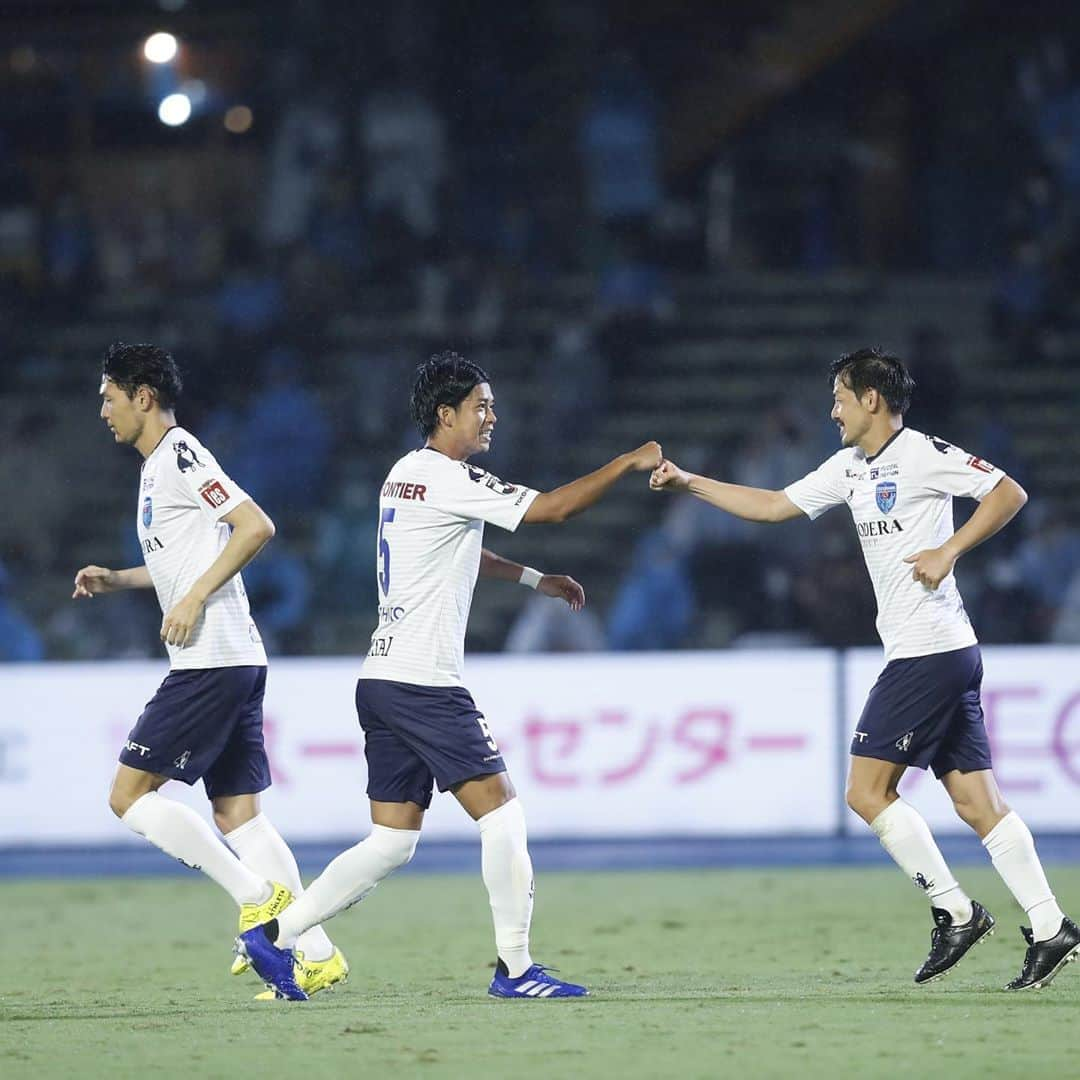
x,y
778,973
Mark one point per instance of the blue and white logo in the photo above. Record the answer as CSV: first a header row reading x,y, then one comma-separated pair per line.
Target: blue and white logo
x,y
885,493
147,511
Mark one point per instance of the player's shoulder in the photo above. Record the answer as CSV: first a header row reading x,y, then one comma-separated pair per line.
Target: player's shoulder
x,y
928,449
185,451
844,461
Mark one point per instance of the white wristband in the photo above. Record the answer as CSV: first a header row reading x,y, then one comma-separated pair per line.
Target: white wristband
x,y
530,577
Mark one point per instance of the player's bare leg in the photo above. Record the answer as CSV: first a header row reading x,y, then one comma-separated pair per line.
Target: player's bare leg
x,y
492,803
180,832
1053,940
260,847
959,921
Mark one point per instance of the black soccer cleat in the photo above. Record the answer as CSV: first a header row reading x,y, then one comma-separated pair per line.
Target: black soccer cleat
x,y
949,944
1045,959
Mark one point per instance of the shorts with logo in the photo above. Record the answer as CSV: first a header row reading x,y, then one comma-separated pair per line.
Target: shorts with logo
x,y
925,711
415,736
206,724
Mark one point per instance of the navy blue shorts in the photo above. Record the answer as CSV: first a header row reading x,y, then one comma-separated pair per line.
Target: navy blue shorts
x,y
925,711
205,724
417,735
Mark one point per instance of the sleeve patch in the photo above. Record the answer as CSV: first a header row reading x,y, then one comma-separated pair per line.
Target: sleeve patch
x,y
978,463
214,494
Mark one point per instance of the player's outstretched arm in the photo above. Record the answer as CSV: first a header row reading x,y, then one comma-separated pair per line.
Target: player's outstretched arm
x,y
749,503
92,581
560,586
570,499
251,529
996,510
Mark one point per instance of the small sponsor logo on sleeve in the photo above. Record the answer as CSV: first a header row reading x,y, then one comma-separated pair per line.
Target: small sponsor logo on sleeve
x,y
214,494
978,463
147,511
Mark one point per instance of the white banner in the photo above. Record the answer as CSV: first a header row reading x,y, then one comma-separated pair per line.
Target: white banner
x,y
1031,699
730,743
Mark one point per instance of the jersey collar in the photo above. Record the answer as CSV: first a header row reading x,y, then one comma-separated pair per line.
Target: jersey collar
x,y
885,446
157,445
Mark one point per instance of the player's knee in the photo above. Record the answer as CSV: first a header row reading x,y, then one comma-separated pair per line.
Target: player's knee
x,y
119,801
397,846
866,804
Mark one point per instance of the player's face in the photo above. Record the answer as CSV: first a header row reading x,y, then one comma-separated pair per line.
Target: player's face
x,y
476,417
849,415
119,413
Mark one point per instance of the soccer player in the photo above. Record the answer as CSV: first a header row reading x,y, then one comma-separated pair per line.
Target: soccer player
x,y
198,529
924,708
421,726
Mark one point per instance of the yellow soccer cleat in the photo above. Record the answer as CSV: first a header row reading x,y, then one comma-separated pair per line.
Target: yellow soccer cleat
x,y
256,914
315,975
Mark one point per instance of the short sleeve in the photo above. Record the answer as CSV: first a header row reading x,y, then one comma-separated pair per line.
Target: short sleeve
x,y
821,489
952,471
473,493
200,476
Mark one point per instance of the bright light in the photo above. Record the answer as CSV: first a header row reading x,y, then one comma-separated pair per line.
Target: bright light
x,y
238,119
174,110
160,48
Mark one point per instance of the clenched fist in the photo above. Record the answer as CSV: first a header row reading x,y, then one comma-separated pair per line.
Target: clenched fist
x,y
646,457
667,476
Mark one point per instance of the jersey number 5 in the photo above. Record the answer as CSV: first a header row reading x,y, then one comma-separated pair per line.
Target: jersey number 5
x,y
384,551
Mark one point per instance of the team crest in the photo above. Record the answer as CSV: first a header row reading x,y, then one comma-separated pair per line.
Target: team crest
x,y
885,493
186,458
147,511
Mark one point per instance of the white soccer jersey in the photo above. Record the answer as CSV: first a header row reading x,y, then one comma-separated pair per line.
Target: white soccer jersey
x,y
901,501
432,511
183,495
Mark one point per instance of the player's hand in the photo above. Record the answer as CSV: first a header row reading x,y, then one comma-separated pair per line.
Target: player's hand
x,y
179,623
931,567
563,588
91,581
646,457
669,477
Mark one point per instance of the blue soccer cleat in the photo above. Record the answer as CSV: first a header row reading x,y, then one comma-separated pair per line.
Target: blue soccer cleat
x,y
276,967
535,983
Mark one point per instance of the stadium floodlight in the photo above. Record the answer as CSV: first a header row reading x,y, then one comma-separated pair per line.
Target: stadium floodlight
x,y
174,110
160,48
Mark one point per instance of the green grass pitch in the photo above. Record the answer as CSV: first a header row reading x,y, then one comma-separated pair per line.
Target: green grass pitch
x,y
715,973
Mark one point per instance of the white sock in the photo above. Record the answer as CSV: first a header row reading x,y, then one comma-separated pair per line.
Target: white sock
x,y
181,833
508,875
259,846
906,837
1012,851
347,880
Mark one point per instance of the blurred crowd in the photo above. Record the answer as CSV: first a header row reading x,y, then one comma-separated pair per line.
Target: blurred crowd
x,y
384,185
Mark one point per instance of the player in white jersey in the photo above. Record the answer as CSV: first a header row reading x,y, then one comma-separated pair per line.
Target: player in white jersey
x,y
925,708
421,726
198,529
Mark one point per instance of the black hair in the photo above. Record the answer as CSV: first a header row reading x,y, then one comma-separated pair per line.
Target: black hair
x,y
444,379
873,369
132,366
